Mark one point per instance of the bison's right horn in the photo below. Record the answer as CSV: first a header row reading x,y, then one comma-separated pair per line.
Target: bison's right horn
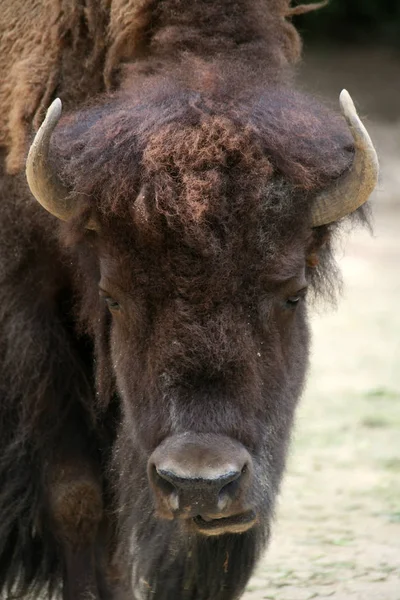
x,y
351,190
43,181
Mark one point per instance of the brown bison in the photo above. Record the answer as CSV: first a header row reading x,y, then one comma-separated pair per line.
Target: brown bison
x,y
154,334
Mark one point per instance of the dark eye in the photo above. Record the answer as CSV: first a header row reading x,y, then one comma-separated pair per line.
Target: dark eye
x,y
111,303
293,301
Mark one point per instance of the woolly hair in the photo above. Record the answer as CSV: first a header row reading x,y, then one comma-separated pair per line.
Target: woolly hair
x,y
74,48
46,46
154,128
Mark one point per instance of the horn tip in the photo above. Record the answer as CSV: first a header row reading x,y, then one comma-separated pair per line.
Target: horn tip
x,y
55,109
344,94
346,104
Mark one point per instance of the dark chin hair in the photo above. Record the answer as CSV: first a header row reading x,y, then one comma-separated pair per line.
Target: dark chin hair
x,y
172,567
164,560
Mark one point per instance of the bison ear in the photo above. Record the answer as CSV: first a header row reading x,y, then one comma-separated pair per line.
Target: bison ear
x,y
355,186
320,237
43,180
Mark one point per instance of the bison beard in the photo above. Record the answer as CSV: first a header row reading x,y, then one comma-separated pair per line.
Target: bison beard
x,y
167,562
188,191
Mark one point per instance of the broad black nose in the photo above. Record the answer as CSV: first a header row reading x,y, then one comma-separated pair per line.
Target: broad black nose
x,y
197,495
200,475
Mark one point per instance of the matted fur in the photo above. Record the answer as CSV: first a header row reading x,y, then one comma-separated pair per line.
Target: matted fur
x,y
199,165
75,48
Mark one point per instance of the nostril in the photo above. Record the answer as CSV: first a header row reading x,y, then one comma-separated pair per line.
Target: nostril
x,y
164,487
230,488
162,481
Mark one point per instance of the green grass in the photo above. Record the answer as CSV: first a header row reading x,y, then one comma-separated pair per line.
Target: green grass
x,y
379,393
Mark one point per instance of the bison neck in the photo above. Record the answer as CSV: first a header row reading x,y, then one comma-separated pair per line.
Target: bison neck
x,y
216,28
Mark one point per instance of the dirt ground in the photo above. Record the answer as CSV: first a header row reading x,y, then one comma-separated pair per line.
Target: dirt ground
x,y
337,530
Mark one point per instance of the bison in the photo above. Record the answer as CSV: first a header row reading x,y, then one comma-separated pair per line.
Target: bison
x,y
154,334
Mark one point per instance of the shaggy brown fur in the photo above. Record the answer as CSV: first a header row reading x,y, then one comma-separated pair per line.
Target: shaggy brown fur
x,y
199,165
75,48
45,46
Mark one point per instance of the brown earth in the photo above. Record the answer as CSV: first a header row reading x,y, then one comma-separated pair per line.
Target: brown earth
x,y
337,530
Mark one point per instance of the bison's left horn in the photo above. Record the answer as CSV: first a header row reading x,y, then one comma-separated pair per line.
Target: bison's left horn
x,y
43,180
356,185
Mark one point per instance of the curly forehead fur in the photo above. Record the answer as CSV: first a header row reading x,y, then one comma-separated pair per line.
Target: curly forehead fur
x,y
197,150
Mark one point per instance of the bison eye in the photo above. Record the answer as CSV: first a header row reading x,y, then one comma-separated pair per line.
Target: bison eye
x,y
292,301
112,304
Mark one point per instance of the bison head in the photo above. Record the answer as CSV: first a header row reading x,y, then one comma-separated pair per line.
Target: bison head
x,y
204,222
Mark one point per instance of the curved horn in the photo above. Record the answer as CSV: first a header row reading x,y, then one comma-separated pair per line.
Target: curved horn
x,y
43,181
356,185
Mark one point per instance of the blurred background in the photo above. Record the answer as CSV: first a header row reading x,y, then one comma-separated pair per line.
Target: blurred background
x,y
355,43
353,22
337,530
